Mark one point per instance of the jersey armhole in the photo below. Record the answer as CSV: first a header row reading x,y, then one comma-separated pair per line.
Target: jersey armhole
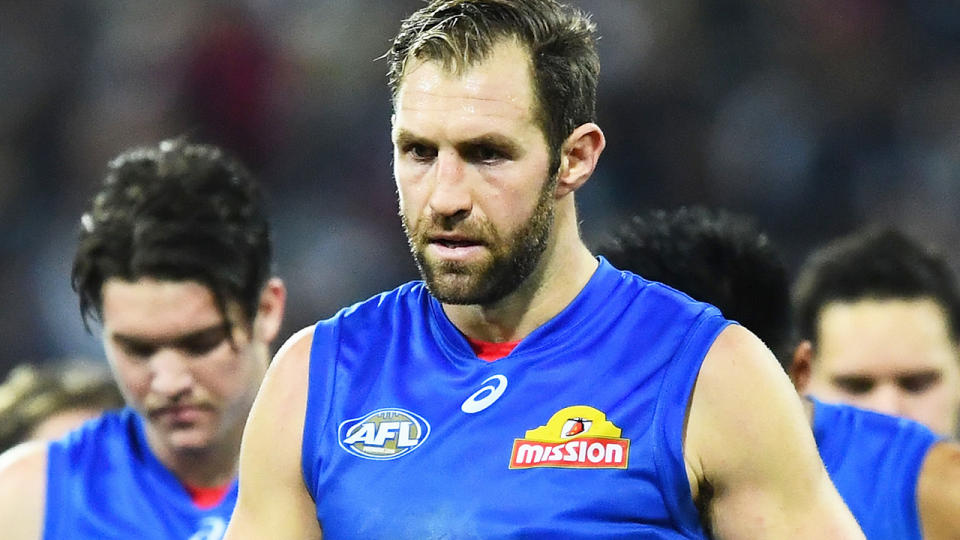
x,y
57,475
321,372
673,401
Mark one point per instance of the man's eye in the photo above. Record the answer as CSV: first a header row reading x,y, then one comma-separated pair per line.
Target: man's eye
x,y
420,152
918,383
485,154
137,350
204,344
199,349
854,385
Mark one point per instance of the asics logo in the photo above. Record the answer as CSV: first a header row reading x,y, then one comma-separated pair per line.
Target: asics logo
x,y
485,396
211,528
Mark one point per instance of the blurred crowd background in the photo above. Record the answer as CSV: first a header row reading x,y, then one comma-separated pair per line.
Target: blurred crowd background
x,y
817,117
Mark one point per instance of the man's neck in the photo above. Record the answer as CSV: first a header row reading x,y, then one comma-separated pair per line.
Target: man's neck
x,y
213,466
808,408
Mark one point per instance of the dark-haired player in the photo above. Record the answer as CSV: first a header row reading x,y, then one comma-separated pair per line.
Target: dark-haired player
x,y
899,479
174,262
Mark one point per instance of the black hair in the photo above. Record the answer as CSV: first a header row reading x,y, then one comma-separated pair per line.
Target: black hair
x,y
716,257
177,211
874,263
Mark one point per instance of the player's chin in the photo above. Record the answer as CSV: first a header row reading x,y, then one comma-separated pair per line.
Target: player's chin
x,y
196,437
462,289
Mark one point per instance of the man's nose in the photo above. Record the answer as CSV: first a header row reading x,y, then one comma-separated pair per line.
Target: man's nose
x,y
171,374
888,399
450,194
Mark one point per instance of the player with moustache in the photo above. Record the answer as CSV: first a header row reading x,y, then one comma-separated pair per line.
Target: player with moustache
x,y
174,262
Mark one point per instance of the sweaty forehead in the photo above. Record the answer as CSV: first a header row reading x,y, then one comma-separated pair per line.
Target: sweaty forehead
x,y
499,86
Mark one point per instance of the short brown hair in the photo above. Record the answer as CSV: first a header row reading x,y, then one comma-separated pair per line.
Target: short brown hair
x,y
561,41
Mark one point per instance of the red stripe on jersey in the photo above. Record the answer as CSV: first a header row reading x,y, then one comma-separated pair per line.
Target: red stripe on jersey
x,y
490,351
207,497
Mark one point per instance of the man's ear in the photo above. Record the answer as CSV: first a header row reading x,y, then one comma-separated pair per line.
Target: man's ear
x,y
578,157
802,366
269,317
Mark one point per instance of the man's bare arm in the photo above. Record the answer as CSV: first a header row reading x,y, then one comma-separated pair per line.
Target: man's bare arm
x,y
750,453
938,492
273,501
23,487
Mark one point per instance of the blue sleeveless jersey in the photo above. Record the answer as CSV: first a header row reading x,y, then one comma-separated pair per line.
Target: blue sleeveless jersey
x,y
874,460
575,434
103,482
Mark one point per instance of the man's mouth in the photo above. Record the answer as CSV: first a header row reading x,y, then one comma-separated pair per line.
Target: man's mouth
x,y
454,243
454,248
179,414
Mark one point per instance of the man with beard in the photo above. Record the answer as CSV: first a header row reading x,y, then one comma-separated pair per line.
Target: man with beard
x,y
525,388
174,262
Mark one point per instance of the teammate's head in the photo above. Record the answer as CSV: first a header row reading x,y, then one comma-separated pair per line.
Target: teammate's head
x,y
45,402
493,103
174,261
879,316
558,44
716,257
177,211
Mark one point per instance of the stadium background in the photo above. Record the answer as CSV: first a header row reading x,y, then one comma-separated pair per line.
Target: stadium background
x,y
816,117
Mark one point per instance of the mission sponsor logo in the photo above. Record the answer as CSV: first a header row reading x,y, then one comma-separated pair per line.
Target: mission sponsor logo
x,y
383,434
577,437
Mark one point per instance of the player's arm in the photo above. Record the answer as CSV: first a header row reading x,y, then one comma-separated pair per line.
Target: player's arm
x,y
23,486
750,453
273,501
938,492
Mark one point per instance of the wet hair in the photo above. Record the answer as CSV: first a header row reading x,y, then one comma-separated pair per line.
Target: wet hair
x,y
31,394
176,212
716,257
561,41
875,263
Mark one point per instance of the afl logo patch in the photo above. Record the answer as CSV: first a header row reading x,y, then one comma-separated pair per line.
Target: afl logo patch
x,y
383,434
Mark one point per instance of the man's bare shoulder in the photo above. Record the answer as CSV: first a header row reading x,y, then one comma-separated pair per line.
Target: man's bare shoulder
x,y
23,460
938,491
737,356
292,361
23,471
744,426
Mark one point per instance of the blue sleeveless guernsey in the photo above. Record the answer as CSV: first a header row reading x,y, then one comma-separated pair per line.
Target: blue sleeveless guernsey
x,y
577,433
874,461
103,482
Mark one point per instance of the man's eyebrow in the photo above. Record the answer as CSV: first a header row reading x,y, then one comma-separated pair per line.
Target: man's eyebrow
x,y
851,377
404,137
177,340
929,372
495,140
